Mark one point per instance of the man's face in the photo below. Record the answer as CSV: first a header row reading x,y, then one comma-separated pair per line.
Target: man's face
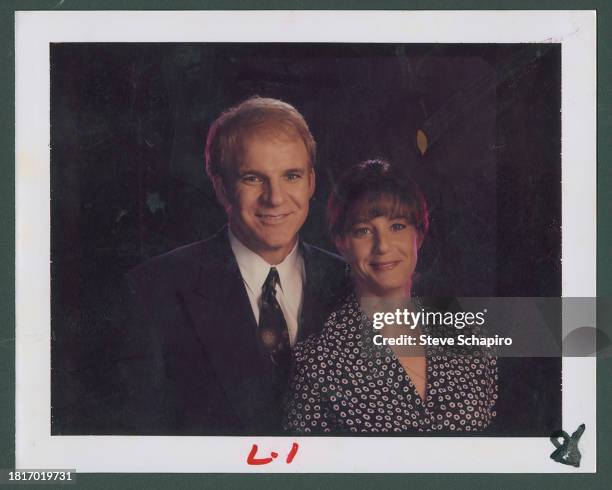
x,y
267,201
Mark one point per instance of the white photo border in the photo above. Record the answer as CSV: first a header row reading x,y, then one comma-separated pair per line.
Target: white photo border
x,y
36,448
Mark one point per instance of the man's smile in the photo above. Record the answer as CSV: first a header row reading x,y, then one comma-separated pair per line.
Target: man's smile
x,y
272,218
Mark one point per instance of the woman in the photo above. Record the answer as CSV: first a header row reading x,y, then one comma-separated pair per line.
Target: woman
x,y
346,378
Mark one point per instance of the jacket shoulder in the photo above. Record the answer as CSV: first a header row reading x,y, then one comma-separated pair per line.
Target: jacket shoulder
x,y
318,254
326,266
181,264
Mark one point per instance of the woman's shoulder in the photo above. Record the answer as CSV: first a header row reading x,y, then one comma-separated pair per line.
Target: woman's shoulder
x,y
346,313
340,325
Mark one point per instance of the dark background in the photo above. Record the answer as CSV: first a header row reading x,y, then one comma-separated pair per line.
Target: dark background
x,y
128,124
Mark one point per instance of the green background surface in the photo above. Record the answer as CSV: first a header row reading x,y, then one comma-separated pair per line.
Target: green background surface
x,y
603,478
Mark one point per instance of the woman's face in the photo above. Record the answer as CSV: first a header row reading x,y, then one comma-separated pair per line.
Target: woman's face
x,y
382,252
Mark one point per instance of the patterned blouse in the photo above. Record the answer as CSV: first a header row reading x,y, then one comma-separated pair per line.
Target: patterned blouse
x,y
343,382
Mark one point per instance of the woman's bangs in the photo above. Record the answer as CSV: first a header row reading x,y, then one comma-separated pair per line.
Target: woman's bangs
x,y
381,204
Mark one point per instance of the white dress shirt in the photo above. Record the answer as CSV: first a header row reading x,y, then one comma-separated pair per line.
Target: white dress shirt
x,y
255,270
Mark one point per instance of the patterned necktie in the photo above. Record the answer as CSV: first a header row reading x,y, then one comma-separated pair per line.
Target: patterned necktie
x,y
272,325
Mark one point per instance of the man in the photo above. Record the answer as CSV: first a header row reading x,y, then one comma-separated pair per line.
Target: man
x,y
212,352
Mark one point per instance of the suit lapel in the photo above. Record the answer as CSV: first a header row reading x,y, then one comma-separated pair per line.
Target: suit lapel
x,y
312,307
225,325
322,289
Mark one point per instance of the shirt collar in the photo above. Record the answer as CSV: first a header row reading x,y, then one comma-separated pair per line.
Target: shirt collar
x,y
255,270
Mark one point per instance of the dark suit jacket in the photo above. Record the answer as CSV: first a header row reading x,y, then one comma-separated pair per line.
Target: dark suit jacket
x,y
192,361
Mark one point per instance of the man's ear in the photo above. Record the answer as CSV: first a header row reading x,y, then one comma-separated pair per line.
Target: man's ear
x,y
221,191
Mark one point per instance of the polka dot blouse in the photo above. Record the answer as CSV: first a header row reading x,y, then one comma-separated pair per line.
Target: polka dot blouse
x,y
343,382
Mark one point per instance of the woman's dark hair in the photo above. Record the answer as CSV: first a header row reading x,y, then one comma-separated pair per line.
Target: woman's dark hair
x,y
375,188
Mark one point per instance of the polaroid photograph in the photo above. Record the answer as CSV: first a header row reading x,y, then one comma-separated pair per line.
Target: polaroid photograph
x,y
306,241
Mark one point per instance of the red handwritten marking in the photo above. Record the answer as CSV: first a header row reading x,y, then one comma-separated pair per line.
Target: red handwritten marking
x,y
252,460
292,453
